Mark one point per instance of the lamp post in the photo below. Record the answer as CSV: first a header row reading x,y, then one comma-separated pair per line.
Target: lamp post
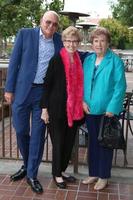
x,y
72,11
86,26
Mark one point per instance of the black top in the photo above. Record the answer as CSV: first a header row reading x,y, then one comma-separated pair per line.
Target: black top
x,y
55,95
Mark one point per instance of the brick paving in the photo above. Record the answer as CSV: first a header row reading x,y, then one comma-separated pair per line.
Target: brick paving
x,y
21,191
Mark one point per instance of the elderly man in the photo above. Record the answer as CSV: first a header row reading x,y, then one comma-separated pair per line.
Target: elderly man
x,y
32,51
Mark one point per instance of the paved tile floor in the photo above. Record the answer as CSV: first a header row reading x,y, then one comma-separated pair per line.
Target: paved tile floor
x,y
21,191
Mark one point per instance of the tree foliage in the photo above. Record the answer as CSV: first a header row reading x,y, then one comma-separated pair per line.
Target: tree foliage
x,y
119,33
16,14
123,11
56,5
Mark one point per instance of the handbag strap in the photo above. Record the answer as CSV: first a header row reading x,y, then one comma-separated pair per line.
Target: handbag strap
x,y
101,128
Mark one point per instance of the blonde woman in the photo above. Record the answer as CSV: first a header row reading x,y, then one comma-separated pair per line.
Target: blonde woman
x,y
62,103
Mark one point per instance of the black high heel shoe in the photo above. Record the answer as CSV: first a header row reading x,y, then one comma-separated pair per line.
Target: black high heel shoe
x,y
70,179
61,185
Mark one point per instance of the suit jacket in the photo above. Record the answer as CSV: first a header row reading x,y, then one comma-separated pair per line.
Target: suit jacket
x,y
23,62
105,91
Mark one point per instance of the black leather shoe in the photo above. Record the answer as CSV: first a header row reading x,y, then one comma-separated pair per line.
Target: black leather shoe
x,y
70,179
18,175
61,185
35,185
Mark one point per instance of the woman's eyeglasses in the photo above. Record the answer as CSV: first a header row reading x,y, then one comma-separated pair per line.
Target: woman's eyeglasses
x,y
72,41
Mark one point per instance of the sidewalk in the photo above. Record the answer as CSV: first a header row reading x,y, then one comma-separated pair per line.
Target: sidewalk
x,y
120,185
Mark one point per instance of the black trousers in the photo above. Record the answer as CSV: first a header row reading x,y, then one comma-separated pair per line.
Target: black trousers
x,y
63,138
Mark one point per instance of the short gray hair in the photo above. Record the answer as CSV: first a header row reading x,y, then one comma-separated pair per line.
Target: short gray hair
x,y
51,12
100,31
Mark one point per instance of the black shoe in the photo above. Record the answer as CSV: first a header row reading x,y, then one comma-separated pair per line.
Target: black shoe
x,y
35,185
19,175
61,185
70,179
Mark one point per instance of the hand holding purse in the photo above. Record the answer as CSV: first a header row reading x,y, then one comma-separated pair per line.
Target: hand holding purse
x,y
111,133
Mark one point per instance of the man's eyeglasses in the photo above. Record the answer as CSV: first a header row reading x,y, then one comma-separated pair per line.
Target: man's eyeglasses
x,y
54,24
72,41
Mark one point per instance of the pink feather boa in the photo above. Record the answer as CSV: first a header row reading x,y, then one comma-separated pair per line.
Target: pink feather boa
x,y
74,82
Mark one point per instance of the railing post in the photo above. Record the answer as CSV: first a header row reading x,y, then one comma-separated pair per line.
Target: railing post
x,y
75,153
2,121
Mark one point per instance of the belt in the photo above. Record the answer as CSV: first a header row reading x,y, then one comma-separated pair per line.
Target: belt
x,y
37,84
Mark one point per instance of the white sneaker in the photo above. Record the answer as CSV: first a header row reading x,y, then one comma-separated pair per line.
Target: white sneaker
x,y
101,184
89,180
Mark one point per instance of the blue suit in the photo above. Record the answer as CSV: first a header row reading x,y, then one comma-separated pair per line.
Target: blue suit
x,y
30,129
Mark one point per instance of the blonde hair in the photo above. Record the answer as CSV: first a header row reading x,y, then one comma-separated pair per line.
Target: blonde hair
x,y
71,31
100,31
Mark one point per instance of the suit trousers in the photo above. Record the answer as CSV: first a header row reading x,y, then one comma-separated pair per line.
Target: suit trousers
x,y
30,130
63,138
99,158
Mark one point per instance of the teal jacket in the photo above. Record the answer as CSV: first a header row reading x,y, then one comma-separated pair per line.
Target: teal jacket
x,y
106,90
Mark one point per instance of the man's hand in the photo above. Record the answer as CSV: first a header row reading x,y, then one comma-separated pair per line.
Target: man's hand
x,y
9,97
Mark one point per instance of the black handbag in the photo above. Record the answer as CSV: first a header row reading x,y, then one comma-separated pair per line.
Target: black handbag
x,y
111,133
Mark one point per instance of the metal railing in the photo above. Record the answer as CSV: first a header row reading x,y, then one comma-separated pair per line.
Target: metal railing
x,y
8,143
9,150
128,63
121,158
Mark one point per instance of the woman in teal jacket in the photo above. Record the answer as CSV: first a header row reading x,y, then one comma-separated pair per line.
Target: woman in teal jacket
x,y
104,90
